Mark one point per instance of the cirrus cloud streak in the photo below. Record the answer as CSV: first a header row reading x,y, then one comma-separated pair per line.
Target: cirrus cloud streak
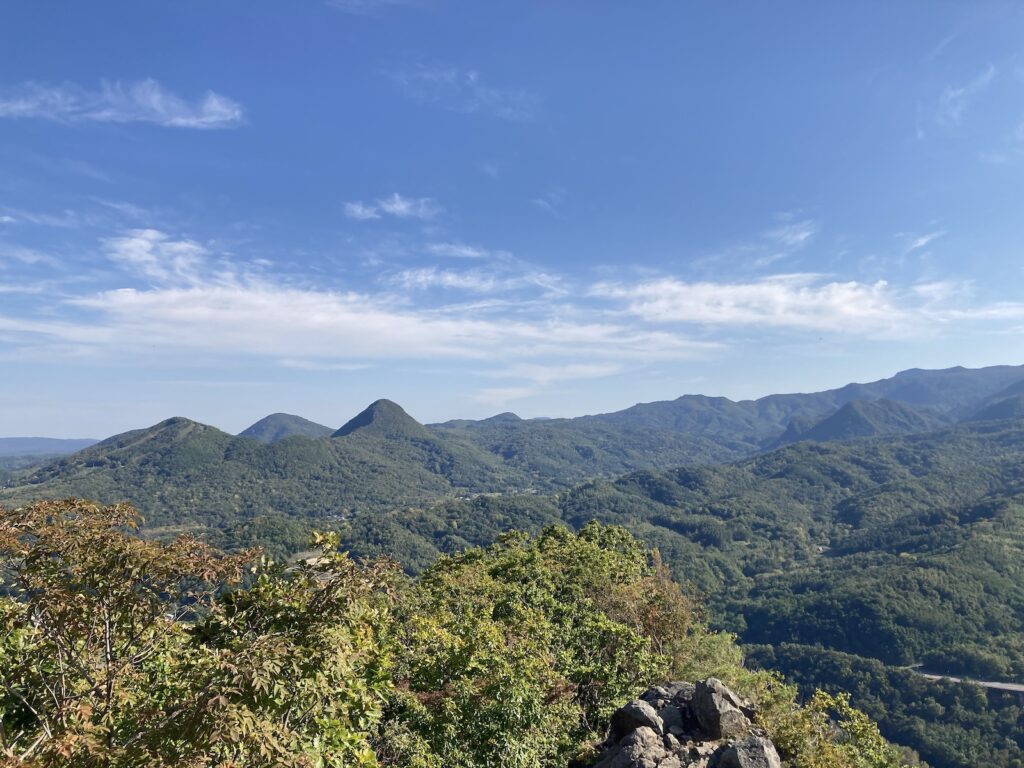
x,y
802,302
144,101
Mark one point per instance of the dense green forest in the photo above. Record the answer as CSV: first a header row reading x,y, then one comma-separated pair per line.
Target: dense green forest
x,y
181,472
118,651
849,564
895,551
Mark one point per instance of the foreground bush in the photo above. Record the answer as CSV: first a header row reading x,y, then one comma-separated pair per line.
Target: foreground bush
x,y
117,651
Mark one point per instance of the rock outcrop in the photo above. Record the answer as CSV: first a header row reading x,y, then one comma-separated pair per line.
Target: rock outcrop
x,y
682,725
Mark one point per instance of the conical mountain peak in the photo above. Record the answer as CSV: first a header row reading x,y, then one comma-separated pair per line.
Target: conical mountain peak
x,y
384,418
278,426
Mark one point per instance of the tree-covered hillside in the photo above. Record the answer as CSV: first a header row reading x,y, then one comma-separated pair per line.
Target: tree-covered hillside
x,y
188,475
864,418
895,551
119,652
863,559
278,426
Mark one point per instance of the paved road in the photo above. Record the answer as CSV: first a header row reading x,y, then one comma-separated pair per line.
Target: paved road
x,y
1013,687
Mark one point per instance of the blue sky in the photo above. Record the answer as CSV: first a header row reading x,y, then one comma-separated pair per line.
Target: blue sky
x,y
222,209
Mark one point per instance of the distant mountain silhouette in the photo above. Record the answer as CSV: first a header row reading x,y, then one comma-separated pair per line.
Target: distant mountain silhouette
x,y
865,418
1011,407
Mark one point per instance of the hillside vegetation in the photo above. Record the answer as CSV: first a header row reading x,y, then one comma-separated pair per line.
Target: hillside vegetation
x,y
846,562
870,556
116,652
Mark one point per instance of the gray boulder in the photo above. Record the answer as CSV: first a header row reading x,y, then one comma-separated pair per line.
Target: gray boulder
x,y
636,714
643,748
751,752
718,710
672,718
681,691
681,725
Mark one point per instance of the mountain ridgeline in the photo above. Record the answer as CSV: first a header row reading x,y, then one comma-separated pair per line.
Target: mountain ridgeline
x,y
182,473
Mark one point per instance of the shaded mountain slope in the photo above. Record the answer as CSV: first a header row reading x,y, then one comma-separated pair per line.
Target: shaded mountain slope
x,y
864,418
1005,404
384,418
1005,408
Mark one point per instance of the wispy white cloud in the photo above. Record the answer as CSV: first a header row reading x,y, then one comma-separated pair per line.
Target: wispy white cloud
x,y
360,211
457,251
263,320
367,7
155,255
409,208
22,287
499,278
201,303
939,292
432,277
191,301
955,99
540,377
782,241
940,47
317,365
785,301
805,302
125,209
464,90
64,220
422,208
547,374
23,255
790,234
915,242
498,397
551,201
145,101
793,234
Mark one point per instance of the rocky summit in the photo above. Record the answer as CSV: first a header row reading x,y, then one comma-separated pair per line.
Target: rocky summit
x,y
686,725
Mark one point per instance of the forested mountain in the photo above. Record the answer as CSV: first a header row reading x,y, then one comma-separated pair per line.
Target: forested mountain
x,y
278,426
1008,404
915,400
843,559
552,453
841,564
185,474
863,418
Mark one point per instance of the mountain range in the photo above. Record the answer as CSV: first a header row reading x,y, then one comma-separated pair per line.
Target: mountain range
x,y
383,458
845,536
